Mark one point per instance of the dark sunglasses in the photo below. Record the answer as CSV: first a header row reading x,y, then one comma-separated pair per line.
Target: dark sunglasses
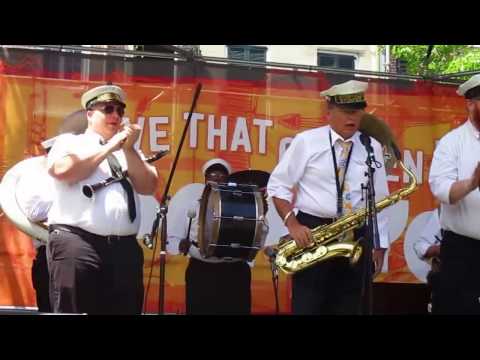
x,y
110,108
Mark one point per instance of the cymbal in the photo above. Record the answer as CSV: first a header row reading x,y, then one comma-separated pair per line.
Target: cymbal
x,y
250,177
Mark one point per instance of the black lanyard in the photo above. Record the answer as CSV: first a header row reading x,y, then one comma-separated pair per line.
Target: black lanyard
x,y
337,180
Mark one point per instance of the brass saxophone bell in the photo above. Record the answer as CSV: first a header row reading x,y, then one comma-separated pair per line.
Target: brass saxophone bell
x,y
356,254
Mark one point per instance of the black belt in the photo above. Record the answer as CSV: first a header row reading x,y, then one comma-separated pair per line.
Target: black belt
x,y
459,243
451,234
312,221
87,234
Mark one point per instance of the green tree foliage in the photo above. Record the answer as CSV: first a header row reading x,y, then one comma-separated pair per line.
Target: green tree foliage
x,y
443,58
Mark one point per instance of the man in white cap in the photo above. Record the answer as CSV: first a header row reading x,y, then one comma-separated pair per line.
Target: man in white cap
x,y
213,286
454,180
96,263
327,167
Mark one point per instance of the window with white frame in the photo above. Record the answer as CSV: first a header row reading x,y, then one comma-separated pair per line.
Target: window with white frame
x,y
335,60
247,52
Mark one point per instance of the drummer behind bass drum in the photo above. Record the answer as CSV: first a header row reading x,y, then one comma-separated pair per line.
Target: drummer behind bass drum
x,y
213,285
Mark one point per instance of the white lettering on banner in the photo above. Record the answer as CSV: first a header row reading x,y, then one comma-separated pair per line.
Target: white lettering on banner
x,y
393,178
141,123
240,136
212,132
410,164
193,128
156,134
262,133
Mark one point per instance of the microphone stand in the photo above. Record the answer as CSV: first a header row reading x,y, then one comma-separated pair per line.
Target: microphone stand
x,y
371,236
271,254
275,285
162,210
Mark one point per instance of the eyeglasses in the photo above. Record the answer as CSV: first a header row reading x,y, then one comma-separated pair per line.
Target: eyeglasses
x,y
110,108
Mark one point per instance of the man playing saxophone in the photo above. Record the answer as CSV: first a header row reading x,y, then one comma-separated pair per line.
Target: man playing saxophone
x,y
327,167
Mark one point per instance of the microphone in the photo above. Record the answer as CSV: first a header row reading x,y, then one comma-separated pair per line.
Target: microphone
x,y
367,142
148,238
184,249
271,253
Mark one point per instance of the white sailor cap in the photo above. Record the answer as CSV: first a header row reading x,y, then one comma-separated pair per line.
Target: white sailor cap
x,y
103,93
216,161
347,94
470,88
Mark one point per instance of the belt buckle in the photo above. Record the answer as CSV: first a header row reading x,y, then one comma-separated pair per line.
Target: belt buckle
x,y
112,238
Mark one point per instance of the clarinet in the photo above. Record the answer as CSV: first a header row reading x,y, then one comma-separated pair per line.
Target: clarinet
x,y
89,190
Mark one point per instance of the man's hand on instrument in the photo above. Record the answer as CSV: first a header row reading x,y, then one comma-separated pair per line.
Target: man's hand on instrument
x,y
184,246
301,234
133,133
117,140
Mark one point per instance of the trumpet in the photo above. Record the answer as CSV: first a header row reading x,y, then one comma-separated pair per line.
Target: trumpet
x,y
89,190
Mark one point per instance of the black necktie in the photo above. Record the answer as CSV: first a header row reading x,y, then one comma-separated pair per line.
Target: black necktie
x,y
118,173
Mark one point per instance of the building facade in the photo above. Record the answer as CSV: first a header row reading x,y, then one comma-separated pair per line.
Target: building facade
x,y
359,57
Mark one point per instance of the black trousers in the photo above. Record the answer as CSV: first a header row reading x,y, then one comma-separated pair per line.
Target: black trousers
x,y
458,287
217,288
328,288
95,275
40,279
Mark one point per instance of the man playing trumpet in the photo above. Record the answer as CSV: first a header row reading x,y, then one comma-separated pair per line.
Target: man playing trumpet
x,y
96,264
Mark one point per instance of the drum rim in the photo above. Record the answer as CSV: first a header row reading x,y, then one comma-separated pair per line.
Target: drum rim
x,y
201,219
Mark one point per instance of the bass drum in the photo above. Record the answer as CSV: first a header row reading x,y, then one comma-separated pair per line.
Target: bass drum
x,y
231,221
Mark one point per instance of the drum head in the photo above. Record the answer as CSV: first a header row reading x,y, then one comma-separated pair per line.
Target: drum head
x,y
231,222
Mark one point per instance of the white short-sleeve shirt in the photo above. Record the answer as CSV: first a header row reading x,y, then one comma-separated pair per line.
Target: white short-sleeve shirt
x,y
106,213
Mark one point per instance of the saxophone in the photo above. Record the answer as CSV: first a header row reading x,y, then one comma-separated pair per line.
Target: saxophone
x,y
335,239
